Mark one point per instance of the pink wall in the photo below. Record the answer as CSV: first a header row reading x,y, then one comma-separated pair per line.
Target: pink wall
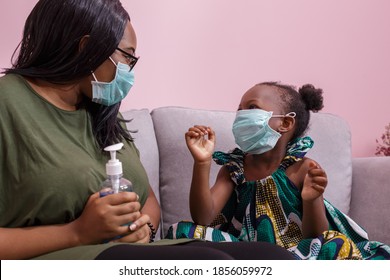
x,y
207,53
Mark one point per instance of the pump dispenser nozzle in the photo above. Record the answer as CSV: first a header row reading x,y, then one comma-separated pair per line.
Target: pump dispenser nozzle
x,y
114,166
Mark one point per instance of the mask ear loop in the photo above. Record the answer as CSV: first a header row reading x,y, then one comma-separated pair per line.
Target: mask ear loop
x,y
113,61
291,115
288,115
93,75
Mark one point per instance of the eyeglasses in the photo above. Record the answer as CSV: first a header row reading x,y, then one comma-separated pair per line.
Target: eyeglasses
x,y
131,58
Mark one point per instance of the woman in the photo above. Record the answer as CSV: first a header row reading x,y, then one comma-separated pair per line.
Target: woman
x,y
59,107
58,113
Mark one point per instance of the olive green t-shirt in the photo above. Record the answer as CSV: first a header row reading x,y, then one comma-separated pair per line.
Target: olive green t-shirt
x,y
49,162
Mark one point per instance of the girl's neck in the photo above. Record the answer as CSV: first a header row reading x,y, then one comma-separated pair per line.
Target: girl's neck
x,y
257,167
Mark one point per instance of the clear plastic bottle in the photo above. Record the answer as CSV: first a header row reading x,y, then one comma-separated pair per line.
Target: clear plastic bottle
x,y
121,185
115,182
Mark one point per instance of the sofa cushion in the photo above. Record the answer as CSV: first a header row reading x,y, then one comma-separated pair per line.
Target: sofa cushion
x,y
370,196
331,150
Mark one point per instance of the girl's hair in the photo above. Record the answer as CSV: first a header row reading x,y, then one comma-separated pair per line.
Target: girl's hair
x,y
306,99
50,51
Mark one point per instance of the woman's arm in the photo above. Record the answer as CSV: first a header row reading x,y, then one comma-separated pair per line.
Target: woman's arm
x,y
25,243
139,231
102,219
152,209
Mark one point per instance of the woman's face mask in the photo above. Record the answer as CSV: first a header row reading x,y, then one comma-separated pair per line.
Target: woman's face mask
x,y
252,132
115,91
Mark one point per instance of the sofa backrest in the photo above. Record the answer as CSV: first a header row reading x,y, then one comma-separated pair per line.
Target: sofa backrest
x,y
332,150
141,125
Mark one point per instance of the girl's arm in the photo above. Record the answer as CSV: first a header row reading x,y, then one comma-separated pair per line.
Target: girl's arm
x,y
205,203
314,221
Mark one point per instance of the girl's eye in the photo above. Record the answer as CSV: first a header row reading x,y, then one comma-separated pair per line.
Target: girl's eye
x,y
253,107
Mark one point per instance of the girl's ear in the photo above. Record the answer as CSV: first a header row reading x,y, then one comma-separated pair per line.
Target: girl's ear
x,y
287,124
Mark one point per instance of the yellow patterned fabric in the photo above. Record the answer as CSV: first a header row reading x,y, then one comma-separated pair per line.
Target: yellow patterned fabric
x,y
287,231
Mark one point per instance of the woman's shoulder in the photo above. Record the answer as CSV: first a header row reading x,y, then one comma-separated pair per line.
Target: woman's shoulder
x,y
11,87
8,81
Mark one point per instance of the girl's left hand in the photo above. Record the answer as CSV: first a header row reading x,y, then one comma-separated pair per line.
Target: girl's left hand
x,y
314,183
139,231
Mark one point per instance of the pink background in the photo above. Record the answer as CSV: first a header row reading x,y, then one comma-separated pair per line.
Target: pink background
x,y
207,53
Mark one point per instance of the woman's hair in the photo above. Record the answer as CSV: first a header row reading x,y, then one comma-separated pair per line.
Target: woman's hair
x,y
50,50
306,99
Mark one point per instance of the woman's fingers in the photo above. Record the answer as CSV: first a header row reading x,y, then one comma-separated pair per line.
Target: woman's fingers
x,y
121,198
141,221
137,232
126,208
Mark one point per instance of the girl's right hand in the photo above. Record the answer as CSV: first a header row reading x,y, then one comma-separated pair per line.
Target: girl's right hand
x,y
200,141
103,217
314,183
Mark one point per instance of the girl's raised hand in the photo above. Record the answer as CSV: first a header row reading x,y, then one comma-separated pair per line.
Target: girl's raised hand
x,y
200,141
314,183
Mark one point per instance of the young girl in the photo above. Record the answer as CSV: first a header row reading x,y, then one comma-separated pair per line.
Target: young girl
x,y
267,190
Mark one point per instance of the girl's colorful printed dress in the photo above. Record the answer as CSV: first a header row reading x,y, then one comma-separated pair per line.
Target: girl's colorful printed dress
x,y
271,210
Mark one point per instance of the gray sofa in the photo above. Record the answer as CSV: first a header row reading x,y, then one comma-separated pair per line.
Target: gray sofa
x,y
359,187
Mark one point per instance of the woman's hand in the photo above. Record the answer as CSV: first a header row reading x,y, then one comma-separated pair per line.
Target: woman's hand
x,y
200,141
103,217
138,231
314,183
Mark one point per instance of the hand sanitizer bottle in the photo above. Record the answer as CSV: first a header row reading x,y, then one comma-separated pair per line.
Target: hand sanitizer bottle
x,y
115,182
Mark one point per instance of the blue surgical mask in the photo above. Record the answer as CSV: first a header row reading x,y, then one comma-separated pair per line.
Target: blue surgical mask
x,y
113,92
252,132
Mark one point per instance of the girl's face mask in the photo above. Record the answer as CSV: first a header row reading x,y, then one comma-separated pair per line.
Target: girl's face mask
x,y
115,91
252,132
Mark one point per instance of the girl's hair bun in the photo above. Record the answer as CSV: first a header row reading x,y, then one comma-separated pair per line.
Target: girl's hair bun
x,y
312,97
